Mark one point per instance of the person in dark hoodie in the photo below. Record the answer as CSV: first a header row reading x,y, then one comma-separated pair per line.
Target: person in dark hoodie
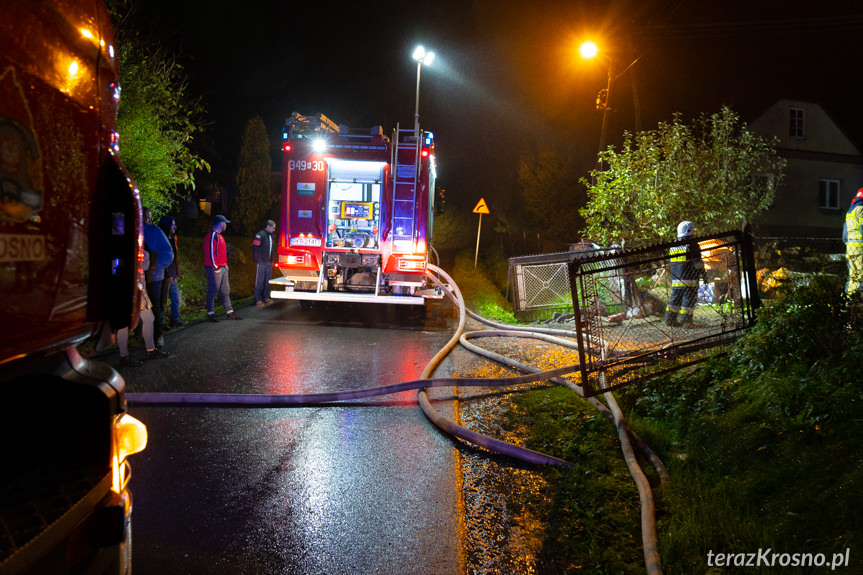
x,y
170,286
264,252
852,235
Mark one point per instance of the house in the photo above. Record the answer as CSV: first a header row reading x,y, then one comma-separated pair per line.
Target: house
x,y
823,173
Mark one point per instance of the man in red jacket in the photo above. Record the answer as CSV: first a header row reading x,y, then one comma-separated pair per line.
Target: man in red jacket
x,y
216,265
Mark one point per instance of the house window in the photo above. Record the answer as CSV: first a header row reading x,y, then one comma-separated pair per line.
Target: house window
x,y
828,194
797,122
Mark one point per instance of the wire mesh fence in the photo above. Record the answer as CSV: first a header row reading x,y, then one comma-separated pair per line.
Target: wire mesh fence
x,y
540,284
622,298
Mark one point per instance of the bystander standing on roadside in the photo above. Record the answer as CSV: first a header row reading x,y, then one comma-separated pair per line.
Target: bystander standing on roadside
x,y
156,242
171,286
216,266
263,252
852,235
147,320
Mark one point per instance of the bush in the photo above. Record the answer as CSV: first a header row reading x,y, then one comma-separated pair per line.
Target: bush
x,y
769,434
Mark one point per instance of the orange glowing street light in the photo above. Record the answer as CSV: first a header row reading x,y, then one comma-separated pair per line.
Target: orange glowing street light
x,y
589,50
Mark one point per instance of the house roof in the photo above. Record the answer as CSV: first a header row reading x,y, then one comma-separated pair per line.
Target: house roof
x,y
821,133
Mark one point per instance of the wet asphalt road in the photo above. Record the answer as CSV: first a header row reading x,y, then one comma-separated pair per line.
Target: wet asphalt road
x,y
363,487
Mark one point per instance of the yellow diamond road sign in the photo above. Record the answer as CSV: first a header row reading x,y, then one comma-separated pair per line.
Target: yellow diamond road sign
x,y
481,208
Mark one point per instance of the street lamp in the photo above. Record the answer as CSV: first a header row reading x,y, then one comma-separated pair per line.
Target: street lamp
x,y
422,57
589,50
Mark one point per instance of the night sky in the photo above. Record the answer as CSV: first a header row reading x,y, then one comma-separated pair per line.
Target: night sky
x,y
506,74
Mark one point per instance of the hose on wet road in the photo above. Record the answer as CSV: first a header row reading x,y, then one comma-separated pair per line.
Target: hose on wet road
x,y
612,411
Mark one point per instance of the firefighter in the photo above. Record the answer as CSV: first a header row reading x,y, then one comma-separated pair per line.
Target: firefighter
x,y
852,235
686,270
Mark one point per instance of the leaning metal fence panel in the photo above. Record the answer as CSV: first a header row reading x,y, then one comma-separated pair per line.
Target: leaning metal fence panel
x,y
621,299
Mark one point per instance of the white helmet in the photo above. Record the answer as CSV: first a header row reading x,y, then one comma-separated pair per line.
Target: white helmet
x,y
685,229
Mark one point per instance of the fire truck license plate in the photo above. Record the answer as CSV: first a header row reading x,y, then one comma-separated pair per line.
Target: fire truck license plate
x,y
316,242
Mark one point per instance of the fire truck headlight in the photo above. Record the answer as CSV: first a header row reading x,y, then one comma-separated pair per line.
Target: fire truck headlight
x,y
319,145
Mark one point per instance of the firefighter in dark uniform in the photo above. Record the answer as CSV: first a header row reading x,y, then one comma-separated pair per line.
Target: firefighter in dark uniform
x,y
686,270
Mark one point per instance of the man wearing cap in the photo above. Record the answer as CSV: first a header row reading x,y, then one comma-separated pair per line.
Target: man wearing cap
x,y
852,235
263,251
216,265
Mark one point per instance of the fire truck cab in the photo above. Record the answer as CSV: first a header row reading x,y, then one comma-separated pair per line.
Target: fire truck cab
x,y
357,210
70,267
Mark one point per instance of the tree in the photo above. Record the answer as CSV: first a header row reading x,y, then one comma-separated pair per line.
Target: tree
x,y
715,173
254,195
551,194
157,119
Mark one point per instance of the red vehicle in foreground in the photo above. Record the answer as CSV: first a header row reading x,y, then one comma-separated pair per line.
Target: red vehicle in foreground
x,y
357,212
70,239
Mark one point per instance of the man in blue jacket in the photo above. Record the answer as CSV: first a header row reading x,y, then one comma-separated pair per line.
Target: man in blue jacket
x,y
161,256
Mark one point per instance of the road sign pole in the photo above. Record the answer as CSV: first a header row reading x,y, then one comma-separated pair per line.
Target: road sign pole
x,y
478,230
481,208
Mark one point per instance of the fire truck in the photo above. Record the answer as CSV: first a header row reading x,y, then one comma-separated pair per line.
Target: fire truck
x,y
357,212
70,269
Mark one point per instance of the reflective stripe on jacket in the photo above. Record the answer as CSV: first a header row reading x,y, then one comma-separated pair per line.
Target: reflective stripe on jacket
x,y
686,265
215,251
853,223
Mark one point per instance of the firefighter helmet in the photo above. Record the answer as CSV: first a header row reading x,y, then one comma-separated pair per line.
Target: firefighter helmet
x,y
685,229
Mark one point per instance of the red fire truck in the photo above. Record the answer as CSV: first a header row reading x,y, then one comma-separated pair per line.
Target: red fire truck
x,y
357,211
70,267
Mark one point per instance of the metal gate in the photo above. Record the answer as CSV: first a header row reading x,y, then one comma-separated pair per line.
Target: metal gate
x,y
621,299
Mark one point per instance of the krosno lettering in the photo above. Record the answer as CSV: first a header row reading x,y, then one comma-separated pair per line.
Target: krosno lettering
x,y
769,558
21,248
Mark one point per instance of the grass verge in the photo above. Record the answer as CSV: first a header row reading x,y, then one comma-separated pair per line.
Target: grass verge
x,y
481,295
762,446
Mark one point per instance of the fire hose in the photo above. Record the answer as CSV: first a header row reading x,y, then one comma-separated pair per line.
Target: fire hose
x,y
650,546
612,411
